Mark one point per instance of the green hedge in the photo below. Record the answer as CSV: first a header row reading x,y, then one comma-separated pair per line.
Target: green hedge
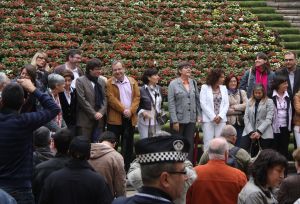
x,y
291,45
276,23
290,38
269,17
286,30
261,10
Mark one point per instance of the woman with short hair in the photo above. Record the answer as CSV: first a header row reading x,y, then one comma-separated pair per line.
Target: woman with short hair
x,y
183,102
266,173
150,104
282,120
56,85
237,105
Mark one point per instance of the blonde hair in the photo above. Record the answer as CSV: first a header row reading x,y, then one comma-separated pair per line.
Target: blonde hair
x,y
258,87
40,54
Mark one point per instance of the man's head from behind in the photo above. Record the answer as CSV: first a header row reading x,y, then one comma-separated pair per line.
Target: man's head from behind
x,y
229,133
110,137
62,139
41,137
80,148
12,96
218,149
161,159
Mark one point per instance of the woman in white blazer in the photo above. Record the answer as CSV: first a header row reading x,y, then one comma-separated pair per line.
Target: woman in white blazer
x,y
214,104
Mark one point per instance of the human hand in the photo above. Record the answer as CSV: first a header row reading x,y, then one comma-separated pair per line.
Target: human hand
x,y
27,85
98,116
175,127
127,113
146,114
217,119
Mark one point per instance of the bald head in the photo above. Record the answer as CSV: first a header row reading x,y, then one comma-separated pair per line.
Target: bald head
x,y
218,149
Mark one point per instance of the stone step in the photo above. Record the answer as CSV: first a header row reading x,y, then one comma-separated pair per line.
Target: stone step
x,y
292,18
296,24
281,0
289,12
284,5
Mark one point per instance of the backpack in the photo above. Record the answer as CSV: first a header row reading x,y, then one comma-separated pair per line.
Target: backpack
x,y
232,160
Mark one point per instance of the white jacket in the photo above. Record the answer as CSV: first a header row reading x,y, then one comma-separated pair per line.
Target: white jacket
x,y
207,103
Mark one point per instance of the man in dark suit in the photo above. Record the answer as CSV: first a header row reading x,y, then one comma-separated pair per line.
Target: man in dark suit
x,y
91,101
291,71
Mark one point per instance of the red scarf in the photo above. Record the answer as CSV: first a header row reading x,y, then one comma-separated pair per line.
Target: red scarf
x,y
261,77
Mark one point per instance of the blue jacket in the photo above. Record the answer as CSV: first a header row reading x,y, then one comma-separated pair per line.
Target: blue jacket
x,y
16,148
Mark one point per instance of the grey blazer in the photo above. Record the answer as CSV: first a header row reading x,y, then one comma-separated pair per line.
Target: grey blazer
x,y
86,102
264,116
184,106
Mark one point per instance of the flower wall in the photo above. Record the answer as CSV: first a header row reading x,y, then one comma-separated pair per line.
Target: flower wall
x,y
142,33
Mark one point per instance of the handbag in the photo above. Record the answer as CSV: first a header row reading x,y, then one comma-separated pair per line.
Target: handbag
x,y
240,117
255,146
162,118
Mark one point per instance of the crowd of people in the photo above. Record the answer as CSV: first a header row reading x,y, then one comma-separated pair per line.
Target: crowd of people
x,y
62,128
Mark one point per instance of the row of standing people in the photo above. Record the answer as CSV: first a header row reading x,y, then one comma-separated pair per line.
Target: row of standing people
x,y
87,102
247,106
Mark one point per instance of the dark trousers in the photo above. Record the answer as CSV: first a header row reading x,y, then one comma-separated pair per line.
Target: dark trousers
x,y
252,147
239,131
125,132
187,130
281,141
21,195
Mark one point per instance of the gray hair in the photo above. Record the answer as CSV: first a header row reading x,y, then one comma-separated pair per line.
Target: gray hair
x,y
3,78
55,79
228,131
217,148
114,62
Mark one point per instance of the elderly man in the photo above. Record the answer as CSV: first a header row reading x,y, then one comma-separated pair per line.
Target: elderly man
x,y
123,98
217,182
240,157
163,170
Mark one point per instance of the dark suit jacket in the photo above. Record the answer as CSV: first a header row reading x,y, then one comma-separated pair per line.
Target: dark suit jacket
x,y
69,110
296,87
289,190
145,99
86,102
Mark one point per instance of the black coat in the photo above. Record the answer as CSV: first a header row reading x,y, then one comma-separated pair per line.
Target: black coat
x,y
44,169
145,99
77,183
147,195
68,110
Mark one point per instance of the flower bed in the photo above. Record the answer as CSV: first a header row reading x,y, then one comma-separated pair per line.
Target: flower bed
x,y
143,33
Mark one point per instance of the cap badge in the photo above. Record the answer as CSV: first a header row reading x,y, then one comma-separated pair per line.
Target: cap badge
x,y
178,145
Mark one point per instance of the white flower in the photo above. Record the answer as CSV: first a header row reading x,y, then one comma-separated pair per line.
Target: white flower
x,y
241,19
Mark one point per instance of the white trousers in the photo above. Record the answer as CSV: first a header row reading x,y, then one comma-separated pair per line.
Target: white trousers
x,y
144,130
210,131
297,135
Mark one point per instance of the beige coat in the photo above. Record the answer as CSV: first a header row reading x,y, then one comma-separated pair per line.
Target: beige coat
x,y
297,109
236,108
110,164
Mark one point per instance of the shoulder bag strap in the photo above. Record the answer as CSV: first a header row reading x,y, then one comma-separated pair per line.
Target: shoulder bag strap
x,y
250,71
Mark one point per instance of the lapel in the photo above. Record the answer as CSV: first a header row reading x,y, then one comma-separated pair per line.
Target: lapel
x,y
88,84
296,80
180,84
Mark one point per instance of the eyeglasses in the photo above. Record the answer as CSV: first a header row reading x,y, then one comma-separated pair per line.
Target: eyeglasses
x,y
288,60
177,172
